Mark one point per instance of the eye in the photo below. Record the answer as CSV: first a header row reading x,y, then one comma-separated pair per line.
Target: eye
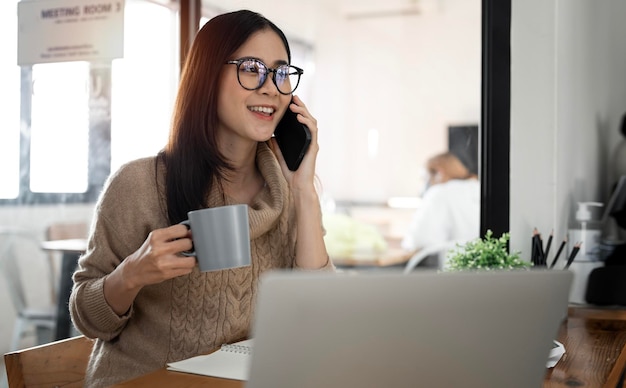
x,y
249,66
253,66
282,73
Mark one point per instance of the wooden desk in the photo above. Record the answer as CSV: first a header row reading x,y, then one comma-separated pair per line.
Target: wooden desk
x,y
594,340
595,349
165,378
71,250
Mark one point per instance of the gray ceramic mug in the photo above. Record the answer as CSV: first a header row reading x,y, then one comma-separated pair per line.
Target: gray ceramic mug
x,y
221,237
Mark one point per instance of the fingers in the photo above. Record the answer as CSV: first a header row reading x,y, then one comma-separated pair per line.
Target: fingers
x,y
159,258
172,232
173,239
304,116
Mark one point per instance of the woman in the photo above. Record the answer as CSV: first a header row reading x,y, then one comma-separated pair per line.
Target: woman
x,y
450,208
134,292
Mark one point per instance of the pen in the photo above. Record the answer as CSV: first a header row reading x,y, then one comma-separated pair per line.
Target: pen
x,y
573,255
541,258
535,248
558,252
549,244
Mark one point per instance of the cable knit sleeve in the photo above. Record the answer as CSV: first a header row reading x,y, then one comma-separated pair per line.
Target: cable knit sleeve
x,y
127,211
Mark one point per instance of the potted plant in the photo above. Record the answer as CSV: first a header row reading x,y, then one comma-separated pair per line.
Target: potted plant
x,y
488,253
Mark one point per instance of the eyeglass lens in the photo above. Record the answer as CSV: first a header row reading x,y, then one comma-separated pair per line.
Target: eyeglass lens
x,y
252,74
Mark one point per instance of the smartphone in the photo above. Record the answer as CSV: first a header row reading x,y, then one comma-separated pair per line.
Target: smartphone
x,y
293,139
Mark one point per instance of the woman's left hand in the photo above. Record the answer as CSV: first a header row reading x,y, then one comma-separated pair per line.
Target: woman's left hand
x,y
303,177
310,250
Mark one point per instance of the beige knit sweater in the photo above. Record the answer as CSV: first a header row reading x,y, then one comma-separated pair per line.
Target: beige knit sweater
x,y
181,317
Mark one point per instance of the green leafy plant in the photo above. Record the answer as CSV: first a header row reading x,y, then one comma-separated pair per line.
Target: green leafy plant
x,y
488,253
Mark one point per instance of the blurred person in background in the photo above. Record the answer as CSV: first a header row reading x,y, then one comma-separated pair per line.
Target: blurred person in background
x,y
450,208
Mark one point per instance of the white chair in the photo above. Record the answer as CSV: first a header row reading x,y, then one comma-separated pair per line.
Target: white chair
x,y
14,245
438,250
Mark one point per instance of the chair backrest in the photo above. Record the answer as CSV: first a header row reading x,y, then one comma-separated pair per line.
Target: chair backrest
x,y
438,250
12,242
67,230
60,363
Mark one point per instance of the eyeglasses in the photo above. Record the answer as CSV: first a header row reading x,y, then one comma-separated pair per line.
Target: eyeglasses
x,y
252,73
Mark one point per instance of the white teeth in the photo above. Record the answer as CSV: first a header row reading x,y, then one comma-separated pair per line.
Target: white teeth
x,y
262,109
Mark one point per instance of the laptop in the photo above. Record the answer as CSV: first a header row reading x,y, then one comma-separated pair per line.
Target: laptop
x,y
424,329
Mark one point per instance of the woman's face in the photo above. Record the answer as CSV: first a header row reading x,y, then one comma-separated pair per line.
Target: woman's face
x,y
252,114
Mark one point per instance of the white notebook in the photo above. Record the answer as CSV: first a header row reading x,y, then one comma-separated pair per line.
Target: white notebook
x,y
232,361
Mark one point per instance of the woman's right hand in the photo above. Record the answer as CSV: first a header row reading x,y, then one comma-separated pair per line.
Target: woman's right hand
x,y
157,259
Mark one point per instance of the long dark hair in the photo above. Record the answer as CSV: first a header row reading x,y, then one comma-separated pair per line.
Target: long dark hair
x,y
192,159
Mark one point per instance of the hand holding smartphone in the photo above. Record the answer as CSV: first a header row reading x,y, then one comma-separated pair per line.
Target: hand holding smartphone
x,y
293,139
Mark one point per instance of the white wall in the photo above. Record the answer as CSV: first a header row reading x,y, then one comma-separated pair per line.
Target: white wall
x,y
568,94
408,79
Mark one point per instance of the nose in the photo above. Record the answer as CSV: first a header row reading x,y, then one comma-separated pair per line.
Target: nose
x,y
268,86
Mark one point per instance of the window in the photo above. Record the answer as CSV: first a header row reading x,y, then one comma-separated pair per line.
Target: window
x,y
144,82
59,128
68,125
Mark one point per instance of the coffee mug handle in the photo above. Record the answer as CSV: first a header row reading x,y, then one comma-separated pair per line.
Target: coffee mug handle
x,y
191,252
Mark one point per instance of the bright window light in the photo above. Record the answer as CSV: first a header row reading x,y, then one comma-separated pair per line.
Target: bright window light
x,y
143,82
59,143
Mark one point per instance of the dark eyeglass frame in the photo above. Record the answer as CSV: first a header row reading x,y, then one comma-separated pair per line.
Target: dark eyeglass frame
x,y
270,70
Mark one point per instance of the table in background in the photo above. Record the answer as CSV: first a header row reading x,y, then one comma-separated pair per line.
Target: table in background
x,y
595,356
71,250
388,258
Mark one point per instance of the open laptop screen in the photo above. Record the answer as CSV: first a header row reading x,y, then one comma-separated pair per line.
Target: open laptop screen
x,y
424,329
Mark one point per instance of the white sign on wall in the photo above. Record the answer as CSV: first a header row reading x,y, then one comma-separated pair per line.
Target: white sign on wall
x,y
69,30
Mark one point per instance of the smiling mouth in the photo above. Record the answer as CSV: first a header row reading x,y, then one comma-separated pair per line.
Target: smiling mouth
x,y
264,110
